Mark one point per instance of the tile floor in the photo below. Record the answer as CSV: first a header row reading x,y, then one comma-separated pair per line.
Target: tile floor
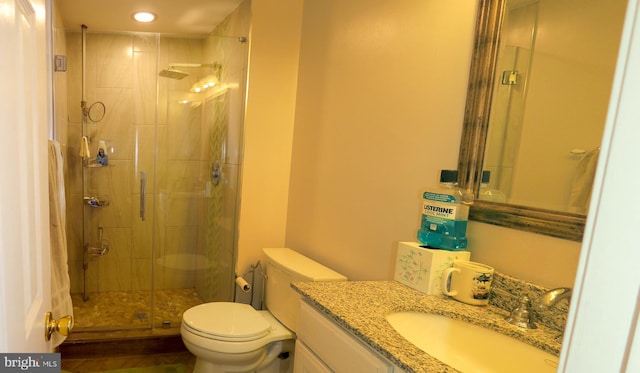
x,y
99,364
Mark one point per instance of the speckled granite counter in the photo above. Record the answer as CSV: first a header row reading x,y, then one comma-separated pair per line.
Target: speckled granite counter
x,y
361,307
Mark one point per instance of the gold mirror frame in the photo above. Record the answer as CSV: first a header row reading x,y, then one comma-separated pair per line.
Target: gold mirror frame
x,y
474,134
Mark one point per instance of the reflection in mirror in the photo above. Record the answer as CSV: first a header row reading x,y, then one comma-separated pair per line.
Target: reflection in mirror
x,y
554,72
538,96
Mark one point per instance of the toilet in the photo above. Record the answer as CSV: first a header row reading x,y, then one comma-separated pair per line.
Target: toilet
x,y
234,337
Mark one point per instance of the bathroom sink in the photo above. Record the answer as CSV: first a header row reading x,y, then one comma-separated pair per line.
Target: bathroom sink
x,y
470,348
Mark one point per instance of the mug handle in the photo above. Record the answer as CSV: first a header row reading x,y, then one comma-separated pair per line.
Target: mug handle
x,y
445,279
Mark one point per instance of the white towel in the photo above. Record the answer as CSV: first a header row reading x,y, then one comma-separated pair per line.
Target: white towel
x,y
84,148
580,196
60,284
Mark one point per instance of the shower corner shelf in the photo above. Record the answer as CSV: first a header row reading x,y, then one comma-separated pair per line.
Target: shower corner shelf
x,y
93,201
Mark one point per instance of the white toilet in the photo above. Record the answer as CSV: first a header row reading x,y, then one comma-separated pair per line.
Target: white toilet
x,y
234,337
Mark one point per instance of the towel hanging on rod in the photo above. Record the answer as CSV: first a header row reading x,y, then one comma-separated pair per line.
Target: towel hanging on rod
x,y
84,148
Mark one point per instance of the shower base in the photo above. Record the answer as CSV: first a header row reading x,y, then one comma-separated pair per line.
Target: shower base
x,y
120,310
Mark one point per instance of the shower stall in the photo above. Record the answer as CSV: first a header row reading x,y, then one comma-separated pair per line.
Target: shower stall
x,y
152,173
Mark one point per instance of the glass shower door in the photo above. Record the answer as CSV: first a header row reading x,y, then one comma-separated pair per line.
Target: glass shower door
x,y
116,241
199,134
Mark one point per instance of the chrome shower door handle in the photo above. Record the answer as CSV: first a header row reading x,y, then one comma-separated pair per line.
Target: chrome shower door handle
x,y
143,193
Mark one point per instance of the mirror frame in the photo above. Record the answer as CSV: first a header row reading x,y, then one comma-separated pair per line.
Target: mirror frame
x,y
474,134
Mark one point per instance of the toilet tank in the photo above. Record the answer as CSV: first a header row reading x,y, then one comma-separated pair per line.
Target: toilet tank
x,y
285,266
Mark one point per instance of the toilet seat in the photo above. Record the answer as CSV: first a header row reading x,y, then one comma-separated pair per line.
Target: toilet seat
x,y
207,341
226,321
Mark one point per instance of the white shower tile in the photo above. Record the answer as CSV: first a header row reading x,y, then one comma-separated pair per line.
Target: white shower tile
x,y
144,87
114,60
184,131
182,210
115,267
116,128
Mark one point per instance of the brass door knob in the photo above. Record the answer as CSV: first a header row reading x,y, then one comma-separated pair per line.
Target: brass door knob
x,y
62,326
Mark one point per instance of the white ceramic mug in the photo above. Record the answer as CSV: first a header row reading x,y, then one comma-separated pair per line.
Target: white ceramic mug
x,y
470,282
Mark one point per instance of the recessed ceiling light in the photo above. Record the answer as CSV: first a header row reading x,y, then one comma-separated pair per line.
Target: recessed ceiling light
x,y
144,17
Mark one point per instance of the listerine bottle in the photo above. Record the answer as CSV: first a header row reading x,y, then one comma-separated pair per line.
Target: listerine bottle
x,y
444,217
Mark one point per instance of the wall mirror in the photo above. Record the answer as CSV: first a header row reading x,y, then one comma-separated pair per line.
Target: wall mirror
x,y
539,87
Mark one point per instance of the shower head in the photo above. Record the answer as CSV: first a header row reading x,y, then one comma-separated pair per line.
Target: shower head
x,y
172,73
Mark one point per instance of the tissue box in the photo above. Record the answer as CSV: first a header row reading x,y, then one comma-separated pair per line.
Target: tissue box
x,y
421,268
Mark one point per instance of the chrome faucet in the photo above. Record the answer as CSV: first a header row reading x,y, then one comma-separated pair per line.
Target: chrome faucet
x,y
552,297
523,315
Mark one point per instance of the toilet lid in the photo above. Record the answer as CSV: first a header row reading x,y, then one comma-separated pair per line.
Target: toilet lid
x,y
226,321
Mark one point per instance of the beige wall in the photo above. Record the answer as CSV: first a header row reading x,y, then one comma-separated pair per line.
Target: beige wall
x,y
379,108
273,66
543,260
381,99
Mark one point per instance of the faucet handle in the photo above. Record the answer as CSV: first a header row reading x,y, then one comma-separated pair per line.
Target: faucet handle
x,y
522,315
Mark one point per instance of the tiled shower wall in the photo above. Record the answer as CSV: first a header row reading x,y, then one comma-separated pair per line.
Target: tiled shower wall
x,y
193,236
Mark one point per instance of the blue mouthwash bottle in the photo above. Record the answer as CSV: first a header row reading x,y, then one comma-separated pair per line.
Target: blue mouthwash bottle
x,y
444,216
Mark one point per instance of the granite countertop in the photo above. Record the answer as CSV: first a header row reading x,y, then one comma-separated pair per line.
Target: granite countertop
x,y
361,307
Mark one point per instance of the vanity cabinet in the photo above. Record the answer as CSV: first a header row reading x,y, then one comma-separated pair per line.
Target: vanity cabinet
x,y
322,346
307,362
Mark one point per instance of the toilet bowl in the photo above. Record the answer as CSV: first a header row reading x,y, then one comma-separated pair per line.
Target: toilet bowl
x,y
234,337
